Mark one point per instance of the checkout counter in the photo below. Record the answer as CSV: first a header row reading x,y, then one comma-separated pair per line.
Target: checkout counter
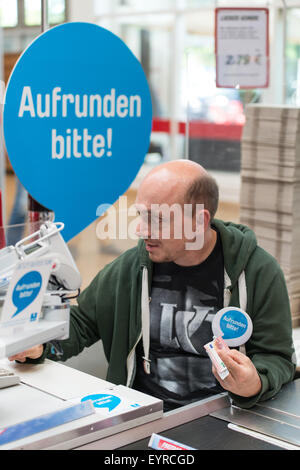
x,y
50,389
57,407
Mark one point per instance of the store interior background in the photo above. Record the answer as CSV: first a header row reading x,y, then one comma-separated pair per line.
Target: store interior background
x,y
174,41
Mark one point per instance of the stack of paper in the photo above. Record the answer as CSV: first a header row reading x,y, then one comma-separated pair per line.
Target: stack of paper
x,y
270,188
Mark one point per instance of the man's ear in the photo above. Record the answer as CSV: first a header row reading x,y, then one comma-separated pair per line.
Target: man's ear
x,y
202,217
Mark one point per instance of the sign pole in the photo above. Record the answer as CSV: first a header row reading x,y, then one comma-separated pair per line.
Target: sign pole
x,y
44,16
37,214
283,52
2,157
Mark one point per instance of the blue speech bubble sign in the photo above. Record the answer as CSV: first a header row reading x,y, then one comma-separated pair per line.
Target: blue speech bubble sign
x,y
101,400
233,324
77,121
26,290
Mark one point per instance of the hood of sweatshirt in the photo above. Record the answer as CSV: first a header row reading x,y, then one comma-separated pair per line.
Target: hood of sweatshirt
x,y
238,242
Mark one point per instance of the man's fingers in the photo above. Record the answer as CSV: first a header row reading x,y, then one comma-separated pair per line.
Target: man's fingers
x,y
32,353
243,378
231,361
236,355
239,357
18,357
226,383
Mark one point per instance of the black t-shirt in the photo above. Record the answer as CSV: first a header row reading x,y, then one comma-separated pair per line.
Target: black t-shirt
x,y
183,303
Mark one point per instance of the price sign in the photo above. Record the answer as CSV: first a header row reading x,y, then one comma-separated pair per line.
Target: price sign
x,y
242,47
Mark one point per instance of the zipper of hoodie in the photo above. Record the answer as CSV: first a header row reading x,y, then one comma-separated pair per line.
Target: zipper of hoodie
x,y
227,291
130,374
131,369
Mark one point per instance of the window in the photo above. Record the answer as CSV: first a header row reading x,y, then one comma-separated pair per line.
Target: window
x,y
292,77
20,13
8,13
57,11
144,5
32,12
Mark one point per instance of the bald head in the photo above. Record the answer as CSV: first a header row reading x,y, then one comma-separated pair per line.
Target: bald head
x,y
183,168
181,181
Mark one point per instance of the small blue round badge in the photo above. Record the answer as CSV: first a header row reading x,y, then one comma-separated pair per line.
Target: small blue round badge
x,y
233,324
77,121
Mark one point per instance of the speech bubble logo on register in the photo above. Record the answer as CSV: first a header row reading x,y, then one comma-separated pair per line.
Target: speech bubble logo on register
x,y
80,105
101,400
26,290
233,324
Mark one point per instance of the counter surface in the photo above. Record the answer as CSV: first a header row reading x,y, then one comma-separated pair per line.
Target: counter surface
x,y
203,425
208,433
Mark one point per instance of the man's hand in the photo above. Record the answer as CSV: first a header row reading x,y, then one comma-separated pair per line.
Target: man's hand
x,y
32,353
243,378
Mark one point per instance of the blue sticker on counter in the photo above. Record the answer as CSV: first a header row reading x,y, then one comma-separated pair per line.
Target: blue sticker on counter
x,y
77,121
233,324
101,400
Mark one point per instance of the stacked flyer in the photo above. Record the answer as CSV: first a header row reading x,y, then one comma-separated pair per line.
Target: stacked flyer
x,y
270,188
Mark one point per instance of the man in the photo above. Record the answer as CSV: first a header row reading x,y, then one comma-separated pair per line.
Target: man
x,y
153,306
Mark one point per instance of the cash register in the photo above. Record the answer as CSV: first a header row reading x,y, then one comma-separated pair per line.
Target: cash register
x,y
51,405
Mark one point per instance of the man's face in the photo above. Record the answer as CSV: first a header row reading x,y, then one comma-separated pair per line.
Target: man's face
x,y
164,222
159,233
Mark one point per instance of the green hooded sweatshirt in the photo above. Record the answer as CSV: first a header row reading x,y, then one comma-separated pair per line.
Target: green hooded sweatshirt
x,y
110,309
